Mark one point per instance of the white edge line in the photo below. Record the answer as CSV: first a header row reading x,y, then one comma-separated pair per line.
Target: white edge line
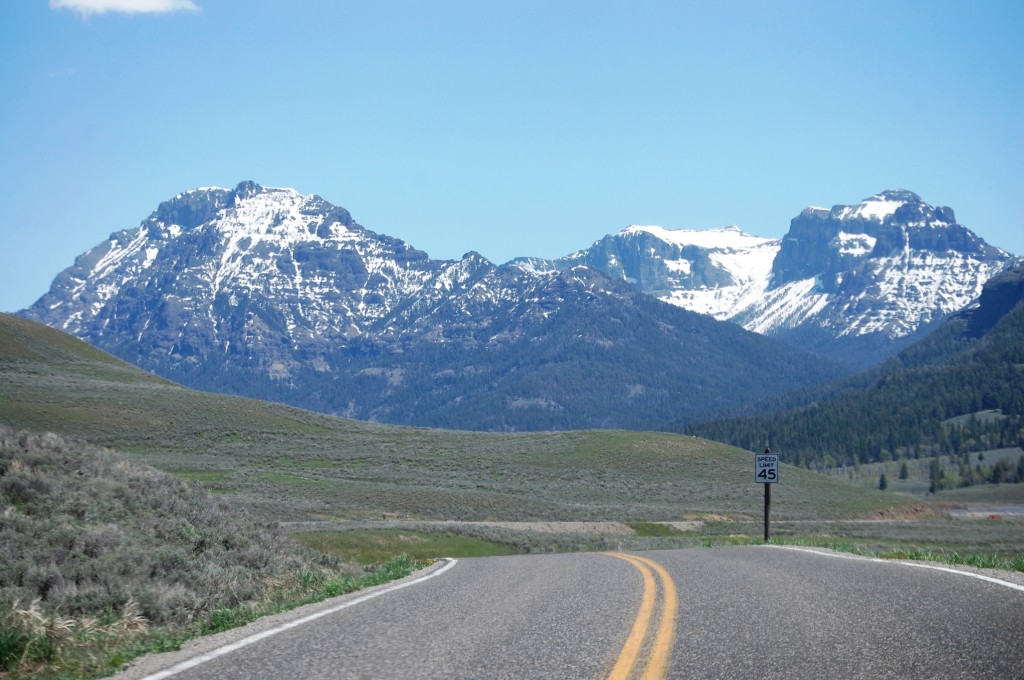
x,y
909,564
244,642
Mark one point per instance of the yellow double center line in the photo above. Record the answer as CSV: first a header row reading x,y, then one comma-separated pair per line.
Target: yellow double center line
x,y
661,651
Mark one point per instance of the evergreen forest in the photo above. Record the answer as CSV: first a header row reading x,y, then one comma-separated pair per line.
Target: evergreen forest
x,y
961,390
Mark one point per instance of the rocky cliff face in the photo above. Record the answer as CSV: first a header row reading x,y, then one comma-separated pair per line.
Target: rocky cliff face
x,y
710,272
249,271
278,295
1001,294
854,282
887,268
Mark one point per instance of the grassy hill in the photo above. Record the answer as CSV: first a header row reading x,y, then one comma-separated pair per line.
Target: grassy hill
x,y
287,464
959,390
124,558
103,558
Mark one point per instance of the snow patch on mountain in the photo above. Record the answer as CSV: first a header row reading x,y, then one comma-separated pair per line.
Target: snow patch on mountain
x,y
710,272
748,269
920,288
854,244
884,268
273,273
878,207
786,307
721,239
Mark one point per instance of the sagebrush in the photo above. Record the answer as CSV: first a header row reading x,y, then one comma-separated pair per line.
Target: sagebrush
x,y
95,547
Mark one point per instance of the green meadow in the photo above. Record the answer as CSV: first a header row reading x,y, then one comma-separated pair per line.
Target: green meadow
x,y
229,486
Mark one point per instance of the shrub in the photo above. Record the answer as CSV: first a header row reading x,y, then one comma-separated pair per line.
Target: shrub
x,y
101,547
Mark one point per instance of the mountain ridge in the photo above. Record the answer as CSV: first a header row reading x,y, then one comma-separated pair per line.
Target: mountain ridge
x,y
972,363
271,293
853,282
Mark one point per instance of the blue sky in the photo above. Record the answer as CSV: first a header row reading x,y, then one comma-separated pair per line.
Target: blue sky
x,y
509,128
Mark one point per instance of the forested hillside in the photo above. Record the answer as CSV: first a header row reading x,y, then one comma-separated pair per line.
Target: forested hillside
x,y
959,390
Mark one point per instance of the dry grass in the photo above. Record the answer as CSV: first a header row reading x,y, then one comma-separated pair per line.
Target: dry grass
x,y
92,543
287,464
95,548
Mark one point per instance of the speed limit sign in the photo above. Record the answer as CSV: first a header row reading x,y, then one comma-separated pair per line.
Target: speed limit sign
x,y
766,468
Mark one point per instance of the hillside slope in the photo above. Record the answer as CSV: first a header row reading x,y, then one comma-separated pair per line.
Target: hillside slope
x,y
973,363
100,554
288,464
272,294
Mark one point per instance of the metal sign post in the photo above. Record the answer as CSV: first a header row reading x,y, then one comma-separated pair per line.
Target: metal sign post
x,y
766,471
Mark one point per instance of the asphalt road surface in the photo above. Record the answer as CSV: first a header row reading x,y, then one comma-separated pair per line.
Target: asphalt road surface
x,y
744,612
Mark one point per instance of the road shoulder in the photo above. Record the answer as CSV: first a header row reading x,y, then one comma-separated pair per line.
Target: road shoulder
x,y
153,664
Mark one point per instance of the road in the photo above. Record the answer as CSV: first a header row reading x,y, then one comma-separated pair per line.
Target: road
x,y
744,612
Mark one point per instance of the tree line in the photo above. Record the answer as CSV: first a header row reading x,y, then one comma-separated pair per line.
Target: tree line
x,y
950,395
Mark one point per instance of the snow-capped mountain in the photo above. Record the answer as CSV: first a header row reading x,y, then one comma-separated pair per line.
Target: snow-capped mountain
x,y
253,270
854,282
279,295
712,272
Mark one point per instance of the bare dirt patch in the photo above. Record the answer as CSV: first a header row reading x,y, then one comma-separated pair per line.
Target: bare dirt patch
x,y
604,528
911,511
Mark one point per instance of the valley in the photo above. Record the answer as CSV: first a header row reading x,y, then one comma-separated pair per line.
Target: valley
x,y
483,340
261,454
314,471
554,383
367,494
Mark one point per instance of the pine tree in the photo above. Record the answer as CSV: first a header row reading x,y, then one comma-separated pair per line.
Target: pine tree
x,y
883,484
935,473
904,473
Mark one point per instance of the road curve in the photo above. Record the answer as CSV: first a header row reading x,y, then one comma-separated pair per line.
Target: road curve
x,y
738,612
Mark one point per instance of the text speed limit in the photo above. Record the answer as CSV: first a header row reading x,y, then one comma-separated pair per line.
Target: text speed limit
x,y
766,468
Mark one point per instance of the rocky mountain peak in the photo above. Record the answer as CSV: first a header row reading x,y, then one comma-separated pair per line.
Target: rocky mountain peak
x,y
821,244
878,208
276,294
247,189
897,195
879,271
192,208
286,286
